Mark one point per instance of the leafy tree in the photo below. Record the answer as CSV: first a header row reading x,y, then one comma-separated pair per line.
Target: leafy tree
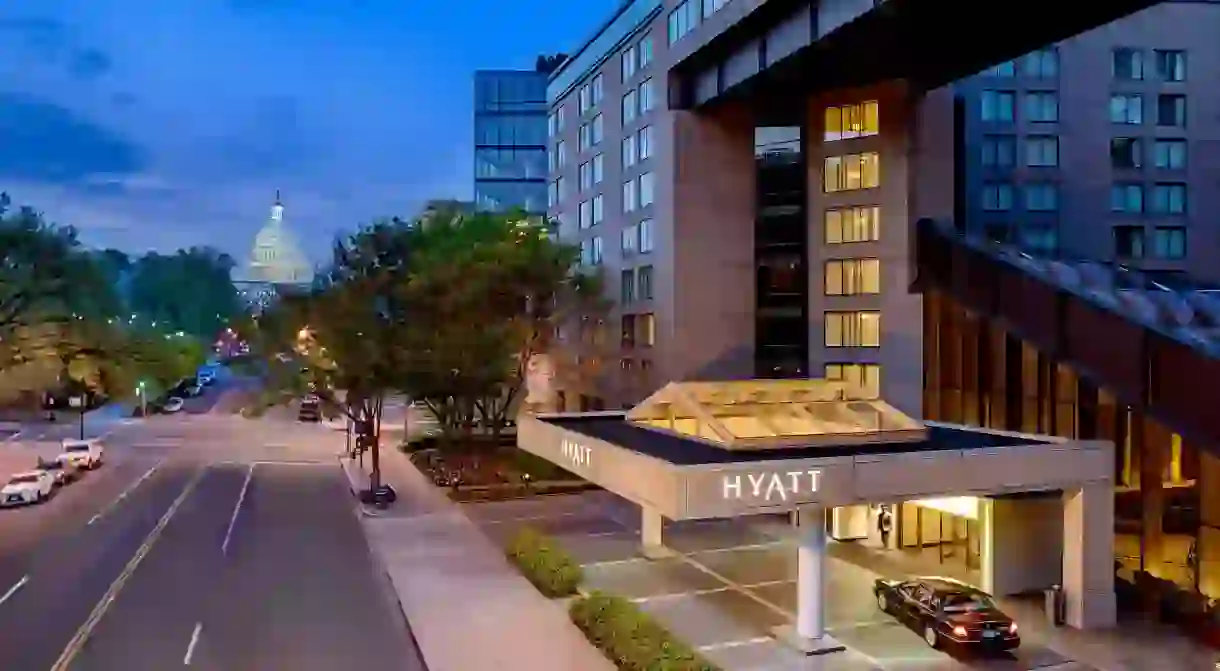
x,y
189,291
38,266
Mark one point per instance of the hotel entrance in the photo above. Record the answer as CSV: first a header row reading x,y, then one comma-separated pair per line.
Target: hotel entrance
x,y
942,533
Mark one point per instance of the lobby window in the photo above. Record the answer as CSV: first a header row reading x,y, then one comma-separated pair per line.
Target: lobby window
x,y
1039,238
1043,63
584,98
852,277
644,142
1170,65
645,236
865,376
1171,110
1042,106
627,339
1129,242
648,330
630,196
599,168
852,172
584,216
1169,198
630,155
630,106
627,287
598,129
585,176
629,63
644,283
852,121
1170,154
1042,197
682,20
1127,64
852,224
1125,152
1169,242
1127,198
647,189
999,151
645,51
997,197
1127,109
599,88
648,98
629,237
1041,151
998,105
599,209
858,328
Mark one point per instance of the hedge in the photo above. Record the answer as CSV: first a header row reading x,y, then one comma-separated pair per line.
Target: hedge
x,y
551,570
631,638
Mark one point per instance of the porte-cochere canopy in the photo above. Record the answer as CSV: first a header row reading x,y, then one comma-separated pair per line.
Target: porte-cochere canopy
x,y
766,414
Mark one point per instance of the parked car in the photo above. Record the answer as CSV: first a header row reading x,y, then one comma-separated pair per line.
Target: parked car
x,y
205,377
61,472
310,411
172,404
192,390
26,488
943,611
84,454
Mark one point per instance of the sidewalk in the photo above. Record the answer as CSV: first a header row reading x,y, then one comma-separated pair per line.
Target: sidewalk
x,y
466,606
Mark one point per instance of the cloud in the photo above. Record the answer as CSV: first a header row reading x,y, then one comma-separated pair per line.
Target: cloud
x,y
44,141
45,37
89,64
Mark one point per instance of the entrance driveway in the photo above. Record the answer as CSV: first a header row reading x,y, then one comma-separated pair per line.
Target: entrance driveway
x,y
731,582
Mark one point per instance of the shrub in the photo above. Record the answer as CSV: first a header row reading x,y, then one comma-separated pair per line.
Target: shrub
x,y
551,570
631,638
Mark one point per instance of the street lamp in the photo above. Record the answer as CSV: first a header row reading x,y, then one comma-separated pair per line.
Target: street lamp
x,y
78,402
143,399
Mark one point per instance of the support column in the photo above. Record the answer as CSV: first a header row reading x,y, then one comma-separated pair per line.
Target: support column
x,y
809,633
1088,557
652,525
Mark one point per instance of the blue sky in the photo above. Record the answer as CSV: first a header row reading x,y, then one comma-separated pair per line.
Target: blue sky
x,y
167,123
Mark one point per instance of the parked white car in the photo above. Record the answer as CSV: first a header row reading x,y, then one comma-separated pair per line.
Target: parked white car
x,y
172,404
84,454
26,488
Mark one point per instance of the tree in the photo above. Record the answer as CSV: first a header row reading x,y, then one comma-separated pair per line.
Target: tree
x,y
189,291
38,265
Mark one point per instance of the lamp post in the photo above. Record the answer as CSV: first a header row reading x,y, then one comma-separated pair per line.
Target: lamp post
x,y
78,402
143,399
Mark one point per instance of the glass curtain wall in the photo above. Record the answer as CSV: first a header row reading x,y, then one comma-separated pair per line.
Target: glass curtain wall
x,y
781,255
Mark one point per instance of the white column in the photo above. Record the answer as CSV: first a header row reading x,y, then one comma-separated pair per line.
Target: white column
x,y
1088,556
652,525
810,575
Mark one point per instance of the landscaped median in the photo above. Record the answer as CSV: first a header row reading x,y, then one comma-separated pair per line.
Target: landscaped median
x,y
626,635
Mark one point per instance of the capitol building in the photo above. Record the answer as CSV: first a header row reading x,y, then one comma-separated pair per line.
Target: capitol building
x,y
276,263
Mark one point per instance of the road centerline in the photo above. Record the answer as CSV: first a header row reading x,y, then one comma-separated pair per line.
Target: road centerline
x,y
190,646
245,486
123,495
14,589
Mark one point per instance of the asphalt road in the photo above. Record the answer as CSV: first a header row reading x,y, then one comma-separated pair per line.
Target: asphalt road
x,y
165,559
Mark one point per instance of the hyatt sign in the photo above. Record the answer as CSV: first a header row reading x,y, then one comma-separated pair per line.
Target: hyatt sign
x,y
774,486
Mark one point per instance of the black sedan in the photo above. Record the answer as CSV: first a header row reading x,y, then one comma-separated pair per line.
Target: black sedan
x,y
63,473
943,610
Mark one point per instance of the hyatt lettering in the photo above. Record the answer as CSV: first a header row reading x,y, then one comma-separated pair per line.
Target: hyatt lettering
x,y
772,486
575,453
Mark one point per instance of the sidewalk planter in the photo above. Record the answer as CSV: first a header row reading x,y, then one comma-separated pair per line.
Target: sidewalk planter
x,y
630,637
551,570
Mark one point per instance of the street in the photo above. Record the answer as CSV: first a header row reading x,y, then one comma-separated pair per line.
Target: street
x,y
209,542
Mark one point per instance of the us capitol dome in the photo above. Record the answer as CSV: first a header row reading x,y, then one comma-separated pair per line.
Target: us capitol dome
x,y
275,264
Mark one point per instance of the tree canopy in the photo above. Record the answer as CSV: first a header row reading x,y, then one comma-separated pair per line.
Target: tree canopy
x,y
189,291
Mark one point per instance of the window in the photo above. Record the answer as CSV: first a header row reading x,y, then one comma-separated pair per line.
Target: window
x,y
998,105
683,19
645,236
585,137
1042,106
648,330
599,209
1127,64
628,331
552,194
1170,154
645,51
1170,65
852,224
864,376
644,283
853,329
1129,242
1127,198
598,129
630,106
645,142
1041,151
556,158
852,121
599,168
1169,198
999,151
1043,63
1042,197
630,197
1169,242
561,186
648,97
647,189
585,214
712,6
851,172
1040,239
629,151
597,250
851,277
1003,70
1171,110
599,88
626,286
997,197
584,98
629,64
552,123
1125,152
585,176
1127,109
630,236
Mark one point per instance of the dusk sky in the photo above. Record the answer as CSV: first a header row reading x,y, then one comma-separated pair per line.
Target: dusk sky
x,y
168,123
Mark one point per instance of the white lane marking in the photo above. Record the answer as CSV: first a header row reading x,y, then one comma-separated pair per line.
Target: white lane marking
x,y
224,546
99,611
734,644
13,590
121,497
15,436
190,647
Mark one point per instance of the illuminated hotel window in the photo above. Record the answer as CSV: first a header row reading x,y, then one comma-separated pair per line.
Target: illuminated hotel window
x,y
853,224
850,277
648,330
860,328
852,172
852,121
866,376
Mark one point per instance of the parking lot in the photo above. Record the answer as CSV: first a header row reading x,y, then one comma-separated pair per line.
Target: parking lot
x,y
732,581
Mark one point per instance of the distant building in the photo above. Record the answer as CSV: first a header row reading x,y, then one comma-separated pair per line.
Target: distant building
x,y
276,263
510,157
